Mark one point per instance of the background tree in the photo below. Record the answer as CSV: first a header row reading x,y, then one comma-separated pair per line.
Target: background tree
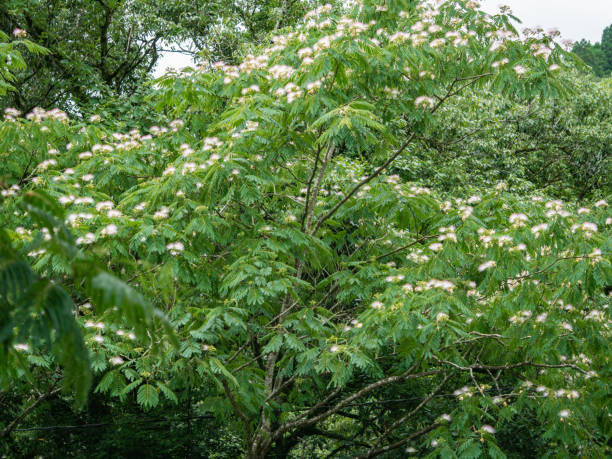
x,y
326,302
606,47
559,146
103,48
598,55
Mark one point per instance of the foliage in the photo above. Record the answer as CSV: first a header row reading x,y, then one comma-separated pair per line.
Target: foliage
x,y
11,60
120,430
598,55
311,281
108,48
561,147
38,313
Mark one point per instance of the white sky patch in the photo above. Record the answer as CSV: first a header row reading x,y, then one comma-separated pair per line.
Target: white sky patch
x,y
172,60
575,20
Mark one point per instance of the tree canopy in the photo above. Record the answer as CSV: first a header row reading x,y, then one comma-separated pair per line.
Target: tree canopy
x,y
107,48
384,231
598,55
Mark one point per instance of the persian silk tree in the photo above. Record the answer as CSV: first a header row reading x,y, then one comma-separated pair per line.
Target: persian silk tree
x,y
11,60
316,296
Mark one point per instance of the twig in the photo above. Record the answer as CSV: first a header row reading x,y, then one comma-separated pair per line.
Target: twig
x,y
510,366
9,428
418,241
408,374
356,188
403,419
399,443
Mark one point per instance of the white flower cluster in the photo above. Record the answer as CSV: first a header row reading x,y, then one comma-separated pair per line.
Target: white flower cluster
x,y
156,130
211,143
487,265
485,236
11,191
11,114
417,256
188,168
250,90
587,227
252,63
175,125
88,238
465,212
539,229
280,72
109,230
75,219
39,114
540,49
518,220
185,150
464,392
98,148
318,11
175,248
424,102
556,208
162,213
351,27
43,166
521,317
291,90
445,285
417,190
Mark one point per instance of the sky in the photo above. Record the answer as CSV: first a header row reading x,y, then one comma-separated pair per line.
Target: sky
x,y
575,19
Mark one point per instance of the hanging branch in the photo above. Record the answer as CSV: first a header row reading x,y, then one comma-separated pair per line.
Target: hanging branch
x,y
9,428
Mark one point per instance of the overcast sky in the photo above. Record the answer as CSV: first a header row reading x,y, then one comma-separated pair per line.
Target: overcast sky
x,y
576,19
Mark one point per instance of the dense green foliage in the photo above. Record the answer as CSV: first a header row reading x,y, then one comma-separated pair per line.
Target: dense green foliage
x,y
564,149
101,49
598,55
385,232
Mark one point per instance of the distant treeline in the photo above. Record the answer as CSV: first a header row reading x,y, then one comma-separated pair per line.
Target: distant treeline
x,y
598,55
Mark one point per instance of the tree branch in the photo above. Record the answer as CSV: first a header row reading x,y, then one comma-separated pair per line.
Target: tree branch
x,y
9,428
511,366
418,241
403,419
308,189
237,409
317,187
356,188
367,389
399,443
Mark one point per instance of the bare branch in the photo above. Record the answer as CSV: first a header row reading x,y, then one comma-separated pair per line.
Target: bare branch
x,y
403,419
399,249
399,443
511,366
317,187
408,374
308,189
237,409
9,428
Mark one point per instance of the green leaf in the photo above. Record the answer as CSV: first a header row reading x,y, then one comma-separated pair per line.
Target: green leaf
x,y
168,393
147,396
